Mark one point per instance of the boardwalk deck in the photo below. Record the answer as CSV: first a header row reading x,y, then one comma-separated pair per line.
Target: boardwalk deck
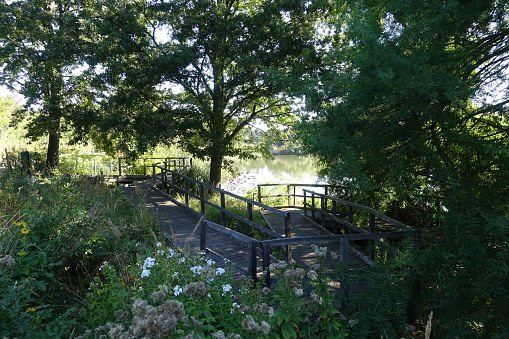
x,y
303,254
180,226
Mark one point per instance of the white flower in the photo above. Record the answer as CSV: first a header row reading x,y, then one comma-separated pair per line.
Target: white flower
x,y
181,260
226,260
203,252
210,262
148,263
145,273
234,305
171,253
196,270
298,291
160,252
175,274
313,275
158,244
226,288
105,264
220,271
177,290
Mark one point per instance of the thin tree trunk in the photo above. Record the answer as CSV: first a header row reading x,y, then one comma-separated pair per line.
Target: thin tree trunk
x,y
53,150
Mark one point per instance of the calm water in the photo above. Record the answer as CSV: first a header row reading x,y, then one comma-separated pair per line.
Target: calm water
x,y
283,168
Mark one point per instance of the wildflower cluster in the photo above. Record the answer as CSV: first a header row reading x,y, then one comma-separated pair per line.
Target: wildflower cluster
x,y
321,252
7,261
24,230
188,297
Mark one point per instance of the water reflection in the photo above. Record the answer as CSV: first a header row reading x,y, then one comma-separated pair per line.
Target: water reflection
x,y
283,168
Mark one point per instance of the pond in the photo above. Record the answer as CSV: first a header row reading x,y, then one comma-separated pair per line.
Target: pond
x,y
283,168
295,169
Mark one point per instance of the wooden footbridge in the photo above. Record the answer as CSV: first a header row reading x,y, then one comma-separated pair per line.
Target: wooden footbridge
x,y
357,237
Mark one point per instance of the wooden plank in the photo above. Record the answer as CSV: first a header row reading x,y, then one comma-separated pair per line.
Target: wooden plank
x,y
235,235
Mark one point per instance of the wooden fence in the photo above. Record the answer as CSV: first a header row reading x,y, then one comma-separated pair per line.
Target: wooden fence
x,y
168,179
261,248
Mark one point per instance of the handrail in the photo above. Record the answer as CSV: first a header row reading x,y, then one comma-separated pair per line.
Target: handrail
x,y
326,187
203,201
360,207
174,160
251,244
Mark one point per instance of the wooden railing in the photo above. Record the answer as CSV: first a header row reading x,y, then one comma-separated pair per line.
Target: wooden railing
x,y
168,162
168,179
292,193
252,246
261,248
337,218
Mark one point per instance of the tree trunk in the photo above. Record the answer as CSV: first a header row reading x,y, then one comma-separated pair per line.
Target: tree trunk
x,y
216,161
53,149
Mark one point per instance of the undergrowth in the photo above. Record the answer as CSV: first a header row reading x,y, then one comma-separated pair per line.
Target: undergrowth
x,y
80,261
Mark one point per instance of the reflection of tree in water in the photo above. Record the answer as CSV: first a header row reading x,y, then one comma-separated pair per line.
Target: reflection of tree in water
x,y
282,166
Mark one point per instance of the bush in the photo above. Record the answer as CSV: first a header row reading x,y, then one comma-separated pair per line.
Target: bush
x,y
55,233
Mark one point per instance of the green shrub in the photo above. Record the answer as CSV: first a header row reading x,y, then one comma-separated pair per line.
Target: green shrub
x,y
55,233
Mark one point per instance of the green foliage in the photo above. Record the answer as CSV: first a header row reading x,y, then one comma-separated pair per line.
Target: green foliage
x,y
40,48
404,115
210,301
197,73
56,232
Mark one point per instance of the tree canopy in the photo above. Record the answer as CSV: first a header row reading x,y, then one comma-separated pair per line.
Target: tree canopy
x,y
410,114
199,72
39,49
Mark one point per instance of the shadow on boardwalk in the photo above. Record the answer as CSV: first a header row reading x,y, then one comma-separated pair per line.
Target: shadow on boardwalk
x,y
181,226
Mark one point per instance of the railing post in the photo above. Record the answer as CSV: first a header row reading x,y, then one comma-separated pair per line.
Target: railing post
x,y
186,189
371,230
323,209
288,234
144,166
350,218
259,194
173,191
343,256
313,205
166,187
250,217
223,214
119,166
289,201
305,204
203,235
266,263
252,261
154,173
334,211
294,195
202,200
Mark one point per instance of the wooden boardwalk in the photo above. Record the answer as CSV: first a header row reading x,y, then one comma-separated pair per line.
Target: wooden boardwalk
x,y
303,254
181,227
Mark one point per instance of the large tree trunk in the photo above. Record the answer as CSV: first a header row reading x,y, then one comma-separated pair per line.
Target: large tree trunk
x,y
216,161
53,149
